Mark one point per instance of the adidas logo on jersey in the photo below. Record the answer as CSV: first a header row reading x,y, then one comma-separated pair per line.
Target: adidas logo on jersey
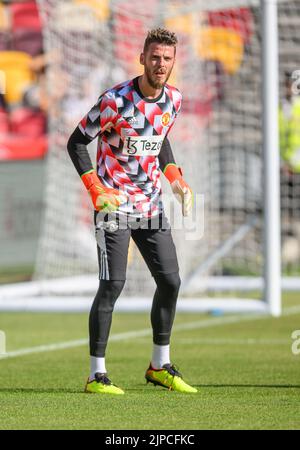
x,y
132,120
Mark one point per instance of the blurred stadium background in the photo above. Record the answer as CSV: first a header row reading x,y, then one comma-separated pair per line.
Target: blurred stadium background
x,y
56,57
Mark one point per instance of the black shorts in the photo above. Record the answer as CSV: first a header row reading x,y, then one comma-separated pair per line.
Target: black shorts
x,y
152,237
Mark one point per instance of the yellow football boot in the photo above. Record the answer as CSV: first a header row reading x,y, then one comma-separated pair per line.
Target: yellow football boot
x,y
102,385
168,377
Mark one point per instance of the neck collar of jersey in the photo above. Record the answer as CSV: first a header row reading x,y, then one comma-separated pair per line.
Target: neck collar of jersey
x,y
146,99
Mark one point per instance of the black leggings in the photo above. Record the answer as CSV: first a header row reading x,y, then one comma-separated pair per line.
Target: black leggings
x,y
162,312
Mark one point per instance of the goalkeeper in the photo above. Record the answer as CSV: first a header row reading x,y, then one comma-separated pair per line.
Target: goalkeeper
x,y
132,121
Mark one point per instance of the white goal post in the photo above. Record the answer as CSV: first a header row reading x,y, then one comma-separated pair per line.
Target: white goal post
x,y
271,234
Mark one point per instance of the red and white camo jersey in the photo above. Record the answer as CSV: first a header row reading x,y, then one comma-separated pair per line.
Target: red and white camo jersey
x,y
131,130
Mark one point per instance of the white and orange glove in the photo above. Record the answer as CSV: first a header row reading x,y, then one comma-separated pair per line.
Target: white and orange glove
x,y
103,198
179,187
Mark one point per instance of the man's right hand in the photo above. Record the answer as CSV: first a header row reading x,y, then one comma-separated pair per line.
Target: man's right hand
x,y
103,198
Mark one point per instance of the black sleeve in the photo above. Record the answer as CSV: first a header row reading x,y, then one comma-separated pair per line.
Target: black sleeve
x,y
166,155
77,148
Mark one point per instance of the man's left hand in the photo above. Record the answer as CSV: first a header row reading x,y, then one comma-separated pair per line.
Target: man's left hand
x,y
181,188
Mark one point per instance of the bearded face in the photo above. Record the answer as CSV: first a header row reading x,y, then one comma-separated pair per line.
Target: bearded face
x,y
158,61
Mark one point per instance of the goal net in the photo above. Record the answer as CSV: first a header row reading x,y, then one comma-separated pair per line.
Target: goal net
x,y
217,138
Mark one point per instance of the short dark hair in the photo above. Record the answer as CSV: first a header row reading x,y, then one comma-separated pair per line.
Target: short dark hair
x,y
161,36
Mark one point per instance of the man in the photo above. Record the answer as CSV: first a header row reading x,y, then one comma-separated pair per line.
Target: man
x,y
289,128
132,121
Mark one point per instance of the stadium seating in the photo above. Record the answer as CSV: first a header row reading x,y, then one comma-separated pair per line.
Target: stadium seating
x,y
16,66
3,18
100,9
4,40
27,40
4,121
27,122
238,19
4,26
181,23
18,147
25,15
22,130
221,44
69,16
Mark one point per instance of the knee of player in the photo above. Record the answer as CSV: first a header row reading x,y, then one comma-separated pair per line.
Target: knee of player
x,y
108,293
169,283
115,287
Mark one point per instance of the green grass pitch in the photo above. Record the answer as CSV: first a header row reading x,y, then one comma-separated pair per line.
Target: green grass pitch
x,y
246,373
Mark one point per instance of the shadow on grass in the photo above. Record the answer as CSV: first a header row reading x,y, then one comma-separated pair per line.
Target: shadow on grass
x,y
221,385
32,390
272,386
142,387
41,391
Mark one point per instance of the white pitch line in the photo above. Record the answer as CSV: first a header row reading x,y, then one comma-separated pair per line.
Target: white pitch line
x,y
224,320
44,348
224,341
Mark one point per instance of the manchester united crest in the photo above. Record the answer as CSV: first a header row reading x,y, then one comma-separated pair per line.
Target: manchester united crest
x,y
165,119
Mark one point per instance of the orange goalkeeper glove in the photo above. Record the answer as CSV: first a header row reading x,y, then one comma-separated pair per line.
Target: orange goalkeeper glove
x,y
103,198
180,187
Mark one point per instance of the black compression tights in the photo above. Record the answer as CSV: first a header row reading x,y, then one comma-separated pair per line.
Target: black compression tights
x,y
164,307
162,313
101,315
